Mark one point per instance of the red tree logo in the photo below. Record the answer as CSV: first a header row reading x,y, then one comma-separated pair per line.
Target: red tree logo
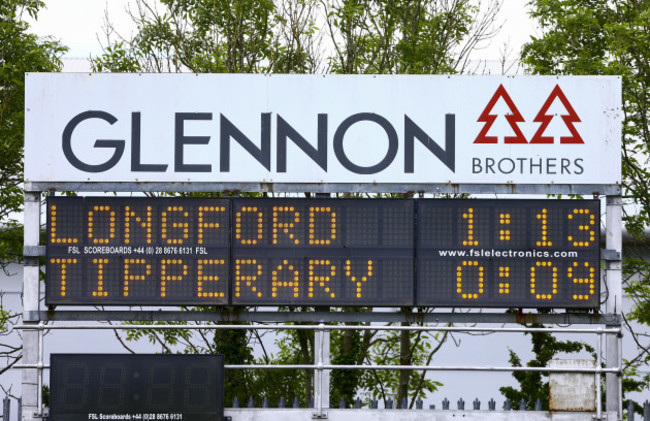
x,y
569,119
513,118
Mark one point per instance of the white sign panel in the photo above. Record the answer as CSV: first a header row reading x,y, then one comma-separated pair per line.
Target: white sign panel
x,y
224,128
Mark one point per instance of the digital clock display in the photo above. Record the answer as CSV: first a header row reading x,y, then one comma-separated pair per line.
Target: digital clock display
x,y
516,253
136,387
333,252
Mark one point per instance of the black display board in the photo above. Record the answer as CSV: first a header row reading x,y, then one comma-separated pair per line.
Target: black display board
x,y
335,252
136,387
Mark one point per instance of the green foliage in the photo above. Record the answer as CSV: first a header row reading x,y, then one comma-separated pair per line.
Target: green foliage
x,y
167,339
20,52
574,41
4,318
348,347
603,38
233,344
237,347
532,384
400,348
610,38
46,396
116,58
282,36
11,240
634,381
214,36
418,37
295,347
639,289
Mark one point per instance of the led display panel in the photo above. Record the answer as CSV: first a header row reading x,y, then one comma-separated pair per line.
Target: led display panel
x,y
162,251
136,387
323,252
515,253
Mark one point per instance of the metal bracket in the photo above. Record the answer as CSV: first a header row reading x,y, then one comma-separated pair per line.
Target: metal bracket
x,y
319,416
31,261
34,251
32,316
609,254
44,413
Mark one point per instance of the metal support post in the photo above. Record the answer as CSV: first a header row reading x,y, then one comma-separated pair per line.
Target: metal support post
x,y
597,375
31,409
321,358
321,376
325,380
614,303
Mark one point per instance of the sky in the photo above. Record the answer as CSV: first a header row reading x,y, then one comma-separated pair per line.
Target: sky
x,y
78,25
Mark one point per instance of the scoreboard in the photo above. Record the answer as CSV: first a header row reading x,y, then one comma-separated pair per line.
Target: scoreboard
x,y
334,252
137,387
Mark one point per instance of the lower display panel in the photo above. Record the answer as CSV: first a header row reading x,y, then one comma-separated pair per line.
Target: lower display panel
x,y
136,387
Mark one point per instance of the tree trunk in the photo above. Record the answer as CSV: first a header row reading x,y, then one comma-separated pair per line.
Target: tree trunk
x,y
305,340
404,359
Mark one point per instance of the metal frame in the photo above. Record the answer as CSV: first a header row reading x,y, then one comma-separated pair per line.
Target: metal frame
x,y
34,317
450,188
322,365
415,219
614,303
229,314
